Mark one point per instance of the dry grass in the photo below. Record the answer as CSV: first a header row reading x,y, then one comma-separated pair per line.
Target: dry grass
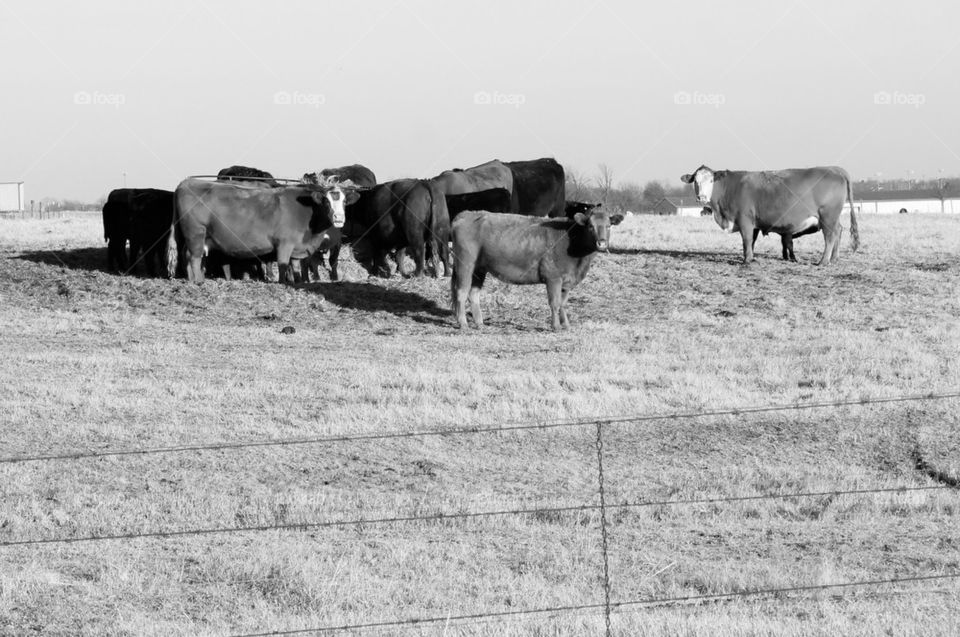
x,y
668,321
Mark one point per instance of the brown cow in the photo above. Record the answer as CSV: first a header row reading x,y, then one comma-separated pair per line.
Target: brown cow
x,y
243,221
524,250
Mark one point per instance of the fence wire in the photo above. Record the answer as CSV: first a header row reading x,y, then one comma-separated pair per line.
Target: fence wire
x,y
651,602
608,606
480,429
449,517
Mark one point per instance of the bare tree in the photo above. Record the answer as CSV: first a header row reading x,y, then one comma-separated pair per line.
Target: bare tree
x,y
576,186
604,181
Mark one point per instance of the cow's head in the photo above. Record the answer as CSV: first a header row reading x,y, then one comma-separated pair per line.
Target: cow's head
x,y
704,182
348,188
591,232
702,179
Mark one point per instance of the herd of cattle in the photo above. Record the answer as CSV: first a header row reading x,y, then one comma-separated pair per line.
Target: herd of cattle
x,y
509,219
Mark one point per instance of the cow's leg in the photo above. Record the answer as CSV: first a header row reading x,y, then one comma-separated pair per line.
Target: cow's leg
x,y
434,246
786,243
296,271
756,233
194,266
445,256
830,241
747,234
836,244
284,254
227,270
418,249
398,255
113,258
334,260
460,290
476,282
564,319
194,251
381,264
152,259
555,297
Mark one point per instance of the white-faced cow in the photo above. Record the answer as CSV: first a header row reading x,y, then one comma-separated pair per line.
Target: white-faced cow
x,y
524,250
244,221
355,176
789,202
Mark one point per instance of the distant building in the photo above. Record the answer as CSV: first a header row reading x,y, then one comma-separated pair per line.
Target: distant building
x,y
12,198
894,201
680,206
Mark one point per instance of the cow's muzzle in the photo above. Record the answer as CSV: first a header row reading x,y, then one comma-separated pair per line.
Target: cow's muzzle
x,y
602,244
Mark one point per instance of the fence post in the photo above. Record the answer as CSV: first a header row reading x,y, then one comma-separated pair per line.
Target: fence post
x,y
603,528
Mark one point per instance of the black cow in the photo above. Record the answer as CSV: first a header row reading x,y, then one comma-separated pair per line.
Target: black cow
x,y
244,221
400,214
142,216
789,202
247,174
493,200
538,187
570,208
525,250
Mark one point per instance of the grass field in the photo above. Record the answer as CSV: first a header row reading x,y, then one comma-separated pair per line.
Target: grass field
x,y
667,321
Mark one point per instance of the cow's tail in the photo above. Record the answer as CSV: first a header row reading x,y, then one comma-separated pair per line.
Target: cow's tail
x,y
172,251
854,230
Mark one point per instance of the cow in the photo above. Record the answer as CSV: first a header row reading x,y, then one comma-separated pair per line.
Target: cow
x,y
358,174
524,250
400,214
360,177
492,200
789,202
459,181
142,216
246,174
539,187
570,208
244,221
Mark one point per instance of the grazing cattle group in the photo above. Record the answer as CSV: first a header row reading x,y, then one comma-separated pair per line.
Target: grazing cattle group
x,y
508,219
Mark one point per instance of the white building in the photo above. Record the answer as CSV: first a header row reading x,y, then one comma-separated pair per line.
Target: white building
x,y
12,196
891,202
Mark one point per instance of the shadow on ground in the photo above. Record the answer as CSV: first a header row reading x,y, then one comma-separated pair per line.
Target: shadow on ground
x,y
369,297
86,259
723,257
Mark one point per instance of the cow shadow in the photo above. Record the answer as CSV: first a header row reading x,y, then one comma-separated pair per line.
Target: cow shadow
x,y
370,297
87,259
698,255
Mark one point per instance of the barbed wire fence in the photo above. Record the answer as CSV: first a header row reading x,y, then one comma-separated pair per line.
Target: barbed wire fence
x,y
601,507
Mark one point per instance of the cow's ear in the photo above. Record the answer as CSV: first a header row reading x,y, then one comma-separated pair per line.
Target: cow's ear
x,y
687,179
580,218
318,196
350,196
616,219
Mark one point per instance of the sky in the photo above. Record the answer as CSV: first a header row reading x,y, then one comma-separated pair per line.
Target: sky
x,y
106,93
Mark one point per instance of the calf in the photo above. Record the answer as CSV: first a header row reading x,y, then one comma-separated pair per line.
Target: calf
x,y
524,250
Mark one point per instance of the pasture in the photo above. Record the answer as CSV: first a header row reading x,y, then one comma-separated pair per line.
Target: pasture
x,y
668,321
